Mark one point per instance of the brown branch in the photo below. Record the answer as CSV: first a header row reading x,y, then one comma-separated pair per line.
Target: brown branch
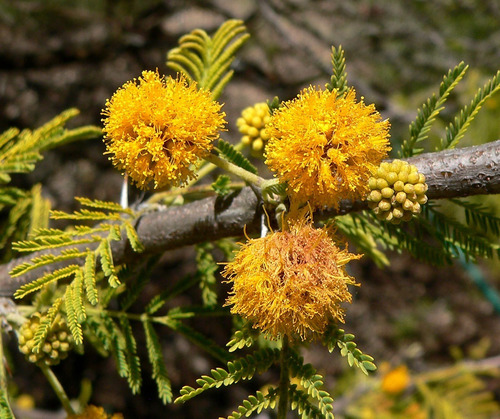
x,y
449,174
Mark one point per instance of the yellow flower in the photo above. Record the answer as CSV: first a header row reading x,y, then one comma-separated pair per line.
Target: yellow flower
x,y
325,147
396,380
95,412
157,129
291,282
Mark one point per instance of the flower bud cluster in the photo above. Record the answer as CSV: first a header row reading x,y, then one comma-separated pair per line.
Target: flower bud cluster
x,y
397,191
252,124
56,346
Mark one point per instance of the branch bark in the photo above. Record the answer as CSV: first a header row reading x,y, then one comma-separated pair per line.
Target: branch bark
x,y
449,174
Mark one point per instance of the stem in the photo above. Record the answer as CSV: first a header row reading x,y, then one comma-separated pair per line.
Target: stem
x,y
3,376
235,170
58,389
284,379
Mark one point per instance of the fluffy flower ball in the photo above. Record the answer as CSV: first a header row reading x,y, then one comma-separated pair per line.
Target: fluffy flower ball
x,y
157,129
290,283
326,146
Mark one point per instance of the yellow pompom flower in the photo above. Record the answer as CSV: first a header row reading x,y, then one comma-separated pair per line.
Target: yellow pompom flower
x,y
291,282
157,128
325,147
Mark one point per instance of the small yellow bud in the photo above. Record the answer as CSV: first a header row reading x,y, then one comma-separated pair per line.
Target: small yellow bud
x,y
400,197
382,183
392,177
413,178
375,196
399,186
387,192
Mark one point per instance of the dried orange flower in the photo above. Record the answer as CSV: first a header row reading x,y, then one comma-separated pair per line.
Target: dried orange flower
x,y
291,282
325,147
157,129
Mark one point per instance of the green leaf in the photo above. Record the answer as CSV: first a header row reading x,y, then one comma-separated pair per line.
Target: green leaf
x,y
73,324
338,80
89,278
427,114
133,238
207,60
46,324
48,278
134,364
222,185
107,264
157,363
235,156
456,130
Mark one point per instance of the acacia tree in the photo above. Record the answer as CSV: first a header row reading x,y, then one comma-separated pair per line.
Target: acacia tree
x,y
333,182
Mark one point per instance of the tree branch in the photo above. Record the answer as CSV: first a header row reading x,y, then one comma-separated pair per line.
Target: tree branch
x,y
449,174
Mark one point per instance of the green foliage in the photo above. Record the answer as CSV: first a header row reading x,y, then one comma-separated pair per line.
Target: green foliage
x,y
456,130
75,246
19,151
348,348
157,363
456,393
255,404
242,338
240,369
207,267
312,383
234,156
207,60
339,77
427,114
5,409
222,185
299,401
479,217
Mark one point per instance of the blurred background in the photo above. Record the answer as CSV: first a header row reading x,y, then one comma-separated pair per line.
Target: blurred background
x,y
57,54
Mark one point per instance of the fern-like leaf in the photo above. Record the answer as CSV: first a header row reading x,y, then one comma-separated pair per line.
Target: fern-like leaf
x,y
48,278
78,290
157,363
256,403
348,349
312,383
5,409
479,216
207,60
299,400
103,205
73,323
113,339
44,260
235,156
241,339
338,80
108,267
85,215
89,278
427,114
199,339
46,324
133,238
240,369
206,268
134,364
456,130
